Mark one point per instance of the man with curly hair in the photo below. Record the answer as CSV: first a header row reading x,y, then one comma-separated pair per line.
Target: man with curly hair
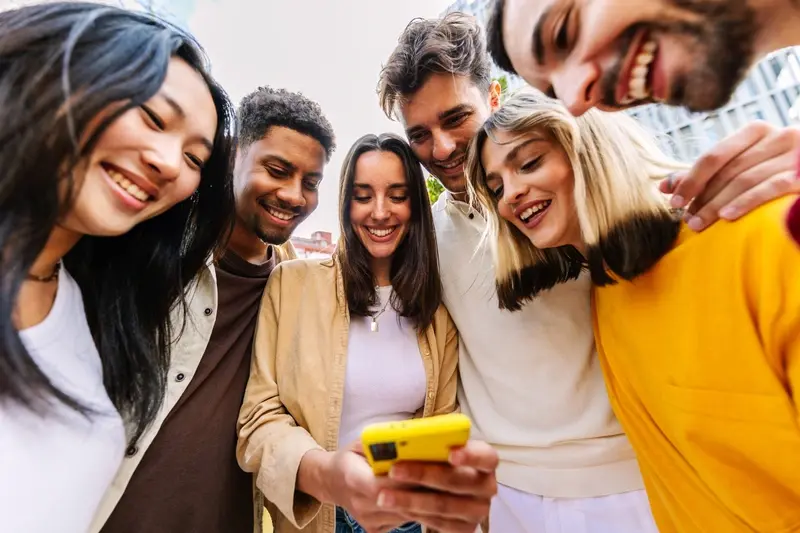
x,y
182,475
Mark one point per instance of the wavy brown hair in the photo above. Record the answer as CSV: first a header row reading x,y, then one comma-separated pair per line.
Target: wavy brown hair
x,y
417,288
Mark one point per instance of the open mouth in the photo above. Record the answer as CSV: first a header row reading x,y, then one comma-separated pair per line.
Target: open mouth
x,y
126,187
636,82
381,234
451,166
533,214
281,216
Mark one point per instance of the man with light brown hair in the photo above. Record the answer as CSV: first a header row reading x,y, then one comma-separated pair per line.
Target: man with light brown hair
x,y
529,380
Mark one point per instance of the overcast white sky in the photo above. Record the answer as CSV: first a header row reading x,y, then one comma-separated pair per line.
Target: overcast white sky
x,y
331,51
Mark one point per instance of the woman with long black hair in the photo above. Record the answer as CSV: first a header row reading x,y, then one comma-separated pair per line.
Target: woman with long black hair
x,y
116,154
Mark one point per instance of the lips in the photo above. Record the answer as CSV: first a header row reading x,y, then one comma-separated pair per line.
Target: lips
x,y
531,213
280,217
454,165
635,79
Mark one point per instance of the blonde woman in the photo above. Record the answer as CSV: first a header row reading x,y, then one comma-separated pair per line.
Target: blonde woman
x,y
698,333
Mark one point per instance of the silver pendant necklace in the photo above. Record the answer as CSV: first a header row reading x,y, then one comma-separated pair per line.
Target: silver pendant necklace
x,y
373,325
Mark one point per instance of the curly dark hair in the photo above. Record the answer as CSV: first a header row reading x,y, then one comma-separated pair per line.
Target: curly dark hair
x,y
266,107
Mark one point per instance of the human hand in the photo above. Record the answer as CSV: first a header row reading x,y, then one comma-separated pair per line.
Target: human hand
x,y
353,486
753,166
455,496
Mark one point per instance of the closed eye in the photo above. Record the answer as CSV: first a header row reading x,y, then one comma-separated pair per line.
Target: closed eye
x,y
562,35
531,165
154,118
198,163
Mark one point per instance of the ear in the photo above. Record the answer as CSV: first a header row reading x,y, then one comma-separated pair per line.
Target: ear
x,y
494,95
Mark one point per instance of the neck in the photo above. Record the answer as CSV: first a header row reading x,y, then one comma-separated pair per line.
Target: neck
x,y
778,23
247,245
382,270
460,196
60,242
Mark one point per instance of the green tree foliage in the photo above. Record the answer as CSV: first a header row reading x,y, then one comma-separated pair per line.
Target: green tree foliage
x,y
434,189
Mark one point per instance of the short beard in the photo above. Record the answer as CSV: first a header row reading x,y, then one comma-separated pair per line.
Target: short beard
x,y
727,41
268,235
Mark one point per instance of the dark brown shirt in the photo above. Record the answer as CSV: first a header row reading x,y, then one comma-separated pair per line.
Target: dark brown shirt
x,y
188,480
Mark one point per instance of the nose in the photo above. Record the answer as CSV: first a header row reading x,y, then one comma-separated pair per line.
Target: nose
x,y
443,146
381,213
513,191
164,159
578,87
291,193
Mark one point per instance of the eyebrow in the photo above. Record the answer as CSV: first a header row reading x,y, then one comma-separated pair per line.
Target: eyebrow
x,y
538,45
392,186
515,151
176,107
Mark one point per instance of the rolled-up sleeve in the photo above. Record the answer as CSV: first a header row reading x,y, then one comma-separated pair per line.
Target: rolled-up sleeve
x,y
270,443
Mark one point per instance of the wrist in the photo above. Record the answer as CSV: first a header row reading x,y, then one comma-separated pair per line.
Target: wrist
x,y
314,473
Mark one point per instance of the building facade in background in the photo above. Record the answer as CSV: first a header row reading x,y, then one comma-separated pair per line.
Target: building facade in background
x,y
318,245
771,92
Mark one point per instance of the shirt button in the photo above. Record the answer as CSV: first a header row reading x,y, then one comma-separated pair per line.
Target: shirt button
x,y
208,311
131,451
180,377
471,216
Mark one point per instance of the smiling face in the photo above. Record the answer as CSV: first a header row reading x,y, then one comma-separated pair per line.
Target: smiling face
x,y
613,54
380,208
147,160
531,179
440,119
276,183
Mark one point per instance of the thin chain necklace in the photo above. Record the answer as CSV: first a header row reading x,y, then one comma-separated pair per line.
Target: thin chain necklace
x,y
373,326
45,279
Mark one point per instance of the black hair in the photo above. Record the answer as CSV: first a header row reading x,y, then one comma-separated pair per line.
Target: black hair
x,y
417,288
494,38
61,65
266,107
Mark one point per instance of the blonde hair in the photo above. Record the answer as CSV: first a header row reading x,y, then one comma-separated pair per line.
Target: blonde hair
x,y
624,220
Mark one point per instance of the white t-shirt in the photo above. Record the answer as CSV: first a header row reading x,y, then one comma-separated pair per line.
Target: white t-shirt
x,y
385,377
55,468
530,381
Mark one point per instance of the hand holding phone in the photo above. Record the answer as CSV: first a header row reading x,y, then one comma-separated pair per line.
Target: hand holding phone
x,y
421,439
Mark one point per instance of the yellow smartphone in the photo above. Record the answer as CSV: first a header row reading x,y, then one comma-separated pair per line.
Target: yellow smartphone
x,y
420,439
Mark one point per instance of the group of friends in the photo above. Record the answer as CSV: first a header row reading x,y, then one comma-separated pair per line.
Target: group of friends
x,y
622,329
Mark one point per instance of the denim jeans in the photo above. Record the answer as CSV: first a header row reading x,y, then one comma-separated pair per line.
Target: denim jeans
x,y
347,524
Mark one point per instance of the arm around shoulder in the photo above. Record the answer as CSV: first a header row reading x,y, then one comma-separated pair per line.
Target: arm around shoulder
x,y
270,443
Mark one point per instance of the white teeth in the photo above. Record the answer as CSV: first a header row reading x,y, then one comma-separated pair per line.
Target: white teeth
x,y
637,84
528,213
127,186
380,232
280,214
453,164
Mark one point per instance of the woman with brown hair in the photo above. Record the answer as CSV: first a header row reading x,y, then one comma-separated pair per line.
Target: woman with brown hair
x,y
344,342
